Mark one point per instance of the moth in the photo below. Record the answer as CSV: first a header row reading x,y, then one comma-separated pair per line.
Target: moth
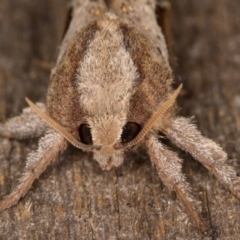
x,y
111,90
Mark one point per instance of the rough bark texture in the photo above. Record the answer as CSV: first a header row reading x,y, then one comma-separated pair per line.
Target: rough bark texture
x,y
74,198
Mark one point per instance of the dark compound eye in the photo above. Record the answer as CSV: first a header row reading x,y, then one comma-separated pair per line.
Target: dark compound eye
x,y
130,131
85,134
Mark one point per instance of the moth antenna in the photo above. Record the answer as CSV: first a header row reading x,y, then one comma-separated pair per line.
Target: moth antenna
x,y
154,118
68,136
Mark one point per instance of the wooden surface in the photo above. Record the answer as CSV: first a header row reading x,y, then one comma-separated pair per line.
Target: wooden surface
x,y
74,198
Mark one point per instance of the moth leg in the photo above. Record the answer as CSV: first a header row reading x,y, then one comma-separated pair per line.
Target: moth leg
x,y
169,169
28,124
48,149
44,65
186,136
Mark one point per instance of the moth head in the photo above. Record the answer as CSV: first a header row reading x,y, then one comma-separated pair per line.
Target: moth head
x,y
106,136
107,132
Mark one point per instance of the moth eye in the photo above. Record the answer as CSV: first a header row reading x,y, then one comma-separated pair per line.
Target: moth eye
x,y
130,131
85,134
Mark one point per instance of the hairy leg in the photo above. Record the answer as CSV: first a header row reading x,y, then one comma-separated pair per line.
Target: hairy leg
x,y
169,169
49,147
186,136
27,125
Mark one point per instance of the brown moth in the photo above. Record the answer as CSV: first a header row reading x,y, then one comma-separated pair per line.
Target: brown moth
x,y
111,89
